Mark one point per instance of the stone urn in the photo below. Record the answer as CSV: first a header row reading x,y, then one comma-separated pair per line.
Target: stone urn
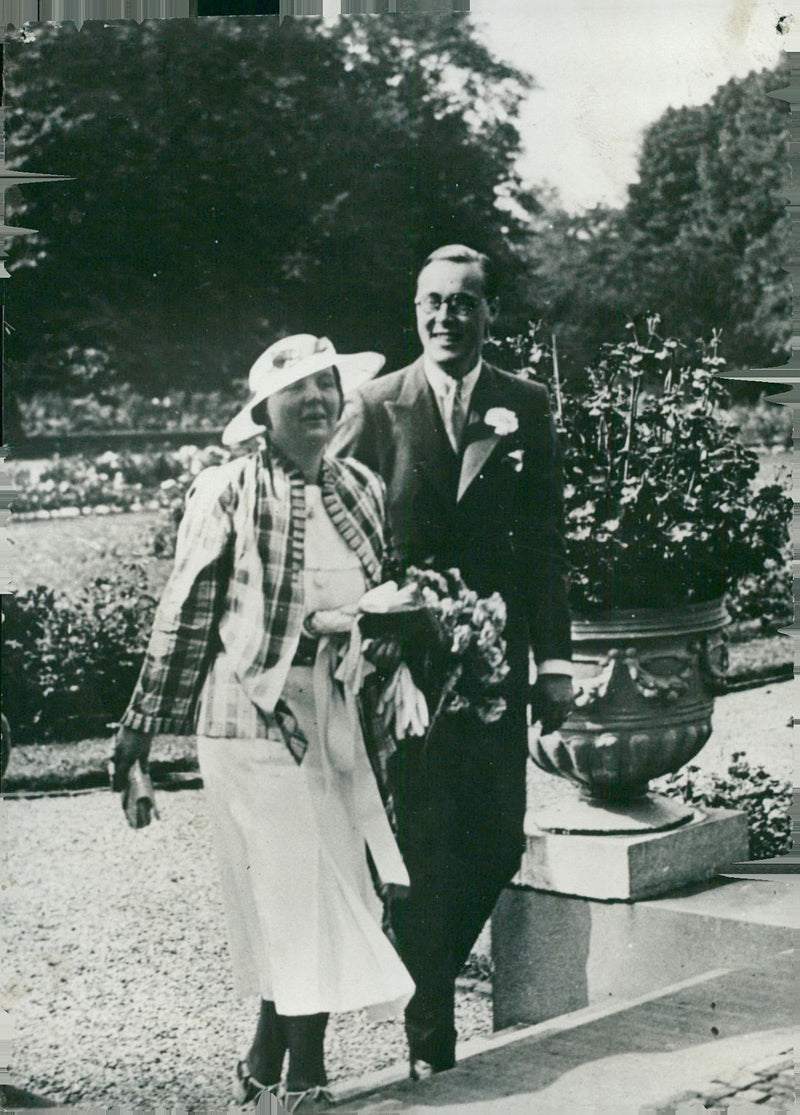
x,y
645,682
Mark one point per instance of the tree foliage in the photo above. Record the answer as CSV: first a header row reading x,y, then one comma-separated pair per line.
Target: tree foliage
x,y
233,180
702,238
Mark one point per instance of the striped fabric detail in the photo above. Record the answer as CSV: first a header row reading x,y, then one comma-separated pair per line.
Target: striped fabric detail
x,y
293,735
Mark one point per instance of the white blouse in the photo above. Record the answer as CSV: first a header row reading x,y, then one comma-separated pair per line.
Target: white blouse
x,y
333,575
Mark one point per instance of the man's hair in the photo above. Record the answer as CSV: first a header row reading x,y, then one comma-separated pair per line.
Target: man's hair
x,y
460,253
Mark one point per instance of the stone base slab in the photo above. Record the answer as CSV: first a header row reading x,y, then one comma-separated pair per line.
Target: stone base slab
x,y
554,953
652,813
622,868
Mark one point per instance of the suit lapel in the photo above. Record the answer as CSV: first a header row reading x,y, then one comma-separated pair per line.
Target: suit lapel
x,y
417,421
479,448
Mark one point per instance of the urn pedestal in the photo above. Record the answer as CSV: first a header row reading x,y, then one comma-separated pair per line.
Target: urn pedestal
x,y
645,682
618,891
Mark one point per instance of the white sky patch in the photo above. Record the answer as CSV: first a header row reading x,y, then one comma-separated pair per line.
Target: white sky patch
x,y
608,68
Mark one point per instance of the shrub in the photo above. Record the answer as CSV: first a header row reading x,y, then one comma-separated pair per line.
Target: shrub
x,y
165,534
766,596
69,664
765,800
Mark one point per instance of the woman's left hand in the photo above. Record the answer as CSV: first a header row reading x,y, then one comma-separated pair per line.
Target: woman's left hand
x,y
332,621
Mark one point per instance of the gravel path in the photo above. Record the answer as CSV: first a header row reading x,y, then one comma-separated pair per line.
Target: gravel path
x,y
116,976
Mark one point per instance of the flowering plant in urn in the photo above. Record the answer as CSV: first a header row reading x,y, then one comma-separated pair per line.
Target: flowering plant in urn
x,y
664,516
662,502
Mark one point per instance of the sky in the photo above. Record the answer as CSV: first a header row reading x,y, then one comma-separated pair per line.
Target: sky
x,y
608,68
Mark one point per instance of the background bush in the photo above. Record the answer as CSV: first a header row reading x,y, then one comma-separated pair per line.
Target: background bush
x,y
70,663
766,597
765,800
762,424
51,412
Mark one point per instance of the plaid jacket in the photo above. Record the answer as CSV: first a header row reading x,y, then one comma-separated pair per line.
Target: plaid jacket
x,y
229,621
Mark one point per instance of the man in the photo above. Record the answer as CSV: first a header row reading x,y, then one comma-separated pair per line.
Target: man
x,y
472,469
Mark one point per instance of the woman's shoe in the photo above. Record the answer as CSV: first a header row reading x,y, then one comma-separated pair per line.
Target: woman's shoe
x,y
312,1099
246,1089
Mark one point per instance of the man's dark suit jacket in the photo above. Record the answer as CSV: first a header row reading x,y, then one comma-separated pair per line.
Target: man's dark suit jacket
x,y
496,514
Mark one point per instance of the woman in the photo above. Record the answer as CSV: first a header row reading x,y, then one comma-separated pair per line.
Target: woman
x,y
274,548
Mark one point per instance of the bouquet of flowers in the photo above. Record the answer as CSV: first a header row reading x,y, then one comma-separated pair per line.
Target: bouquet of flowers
x,y
454,653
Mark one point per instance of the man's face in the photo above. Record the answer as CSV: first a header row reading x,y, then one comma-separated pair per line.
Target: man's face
x,y
452,314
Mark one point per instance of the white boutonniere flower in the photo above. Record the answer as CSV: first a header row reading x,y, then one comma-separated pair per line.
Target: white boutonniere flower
x,y
517,458
502,421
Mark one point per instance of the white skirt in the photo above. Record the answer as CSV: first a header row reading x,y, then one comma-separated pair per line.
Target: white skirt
x,y
303,917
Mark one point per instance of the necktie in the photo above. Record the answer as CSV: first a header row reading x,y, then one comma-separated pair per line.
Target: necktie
x,y
454,414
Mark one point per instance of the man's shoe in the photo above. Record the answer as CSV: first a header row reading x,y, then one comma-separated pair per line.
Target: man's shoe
x,y
421,1070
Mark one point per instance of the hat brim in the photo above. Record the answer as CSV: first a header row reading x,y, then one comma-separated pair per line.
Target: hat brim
x,y
354,370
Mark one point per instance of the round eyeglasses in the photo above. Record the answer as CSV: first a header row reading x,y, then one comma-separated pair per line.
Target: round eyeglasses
x,y
461,304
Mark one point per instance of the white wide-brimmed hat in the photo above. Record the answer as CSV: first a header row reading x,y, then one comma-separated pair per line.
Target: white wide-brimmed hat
x,y
289,360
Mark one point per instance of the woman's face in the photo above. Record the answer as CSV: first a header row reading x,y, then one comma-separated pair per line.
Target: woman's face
x,y
303,415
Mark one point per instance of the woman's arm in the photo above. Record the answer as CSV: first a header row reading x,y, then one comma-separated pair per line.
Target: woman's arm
x,y
179,651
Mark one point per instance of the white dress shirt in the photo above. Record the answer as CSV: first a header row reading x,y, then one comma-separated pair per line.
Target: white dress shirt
x,y
441,385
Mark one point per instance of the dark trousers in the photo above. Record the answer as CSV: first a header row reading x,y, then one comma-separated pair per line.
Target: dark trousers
x,y
460,809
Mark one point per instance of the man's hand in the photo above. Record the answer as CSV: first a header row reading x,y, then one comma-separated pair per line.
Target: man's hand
x,y
130,745
385,653
551,700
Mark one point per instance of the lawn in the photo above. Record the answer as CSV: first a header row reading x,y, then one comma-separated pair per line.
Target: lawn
x,y
65,553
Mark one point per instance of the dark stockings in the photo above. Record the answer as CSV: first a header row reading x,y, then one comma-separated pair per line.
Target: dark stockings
x,y
306,1034
265,1059
303,1035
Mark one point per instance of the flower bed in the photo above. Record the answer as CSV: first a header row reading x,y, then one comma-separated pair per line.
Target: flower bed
x,y
110,483
766,801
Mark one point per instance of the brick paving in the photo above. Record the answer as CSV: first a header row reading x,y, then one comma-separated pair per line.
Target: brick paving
x,y
770,1084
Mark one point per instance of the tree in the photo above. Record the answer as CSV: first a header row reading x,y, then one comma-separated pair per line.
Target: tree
x,y
702,239
233,181
709,222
